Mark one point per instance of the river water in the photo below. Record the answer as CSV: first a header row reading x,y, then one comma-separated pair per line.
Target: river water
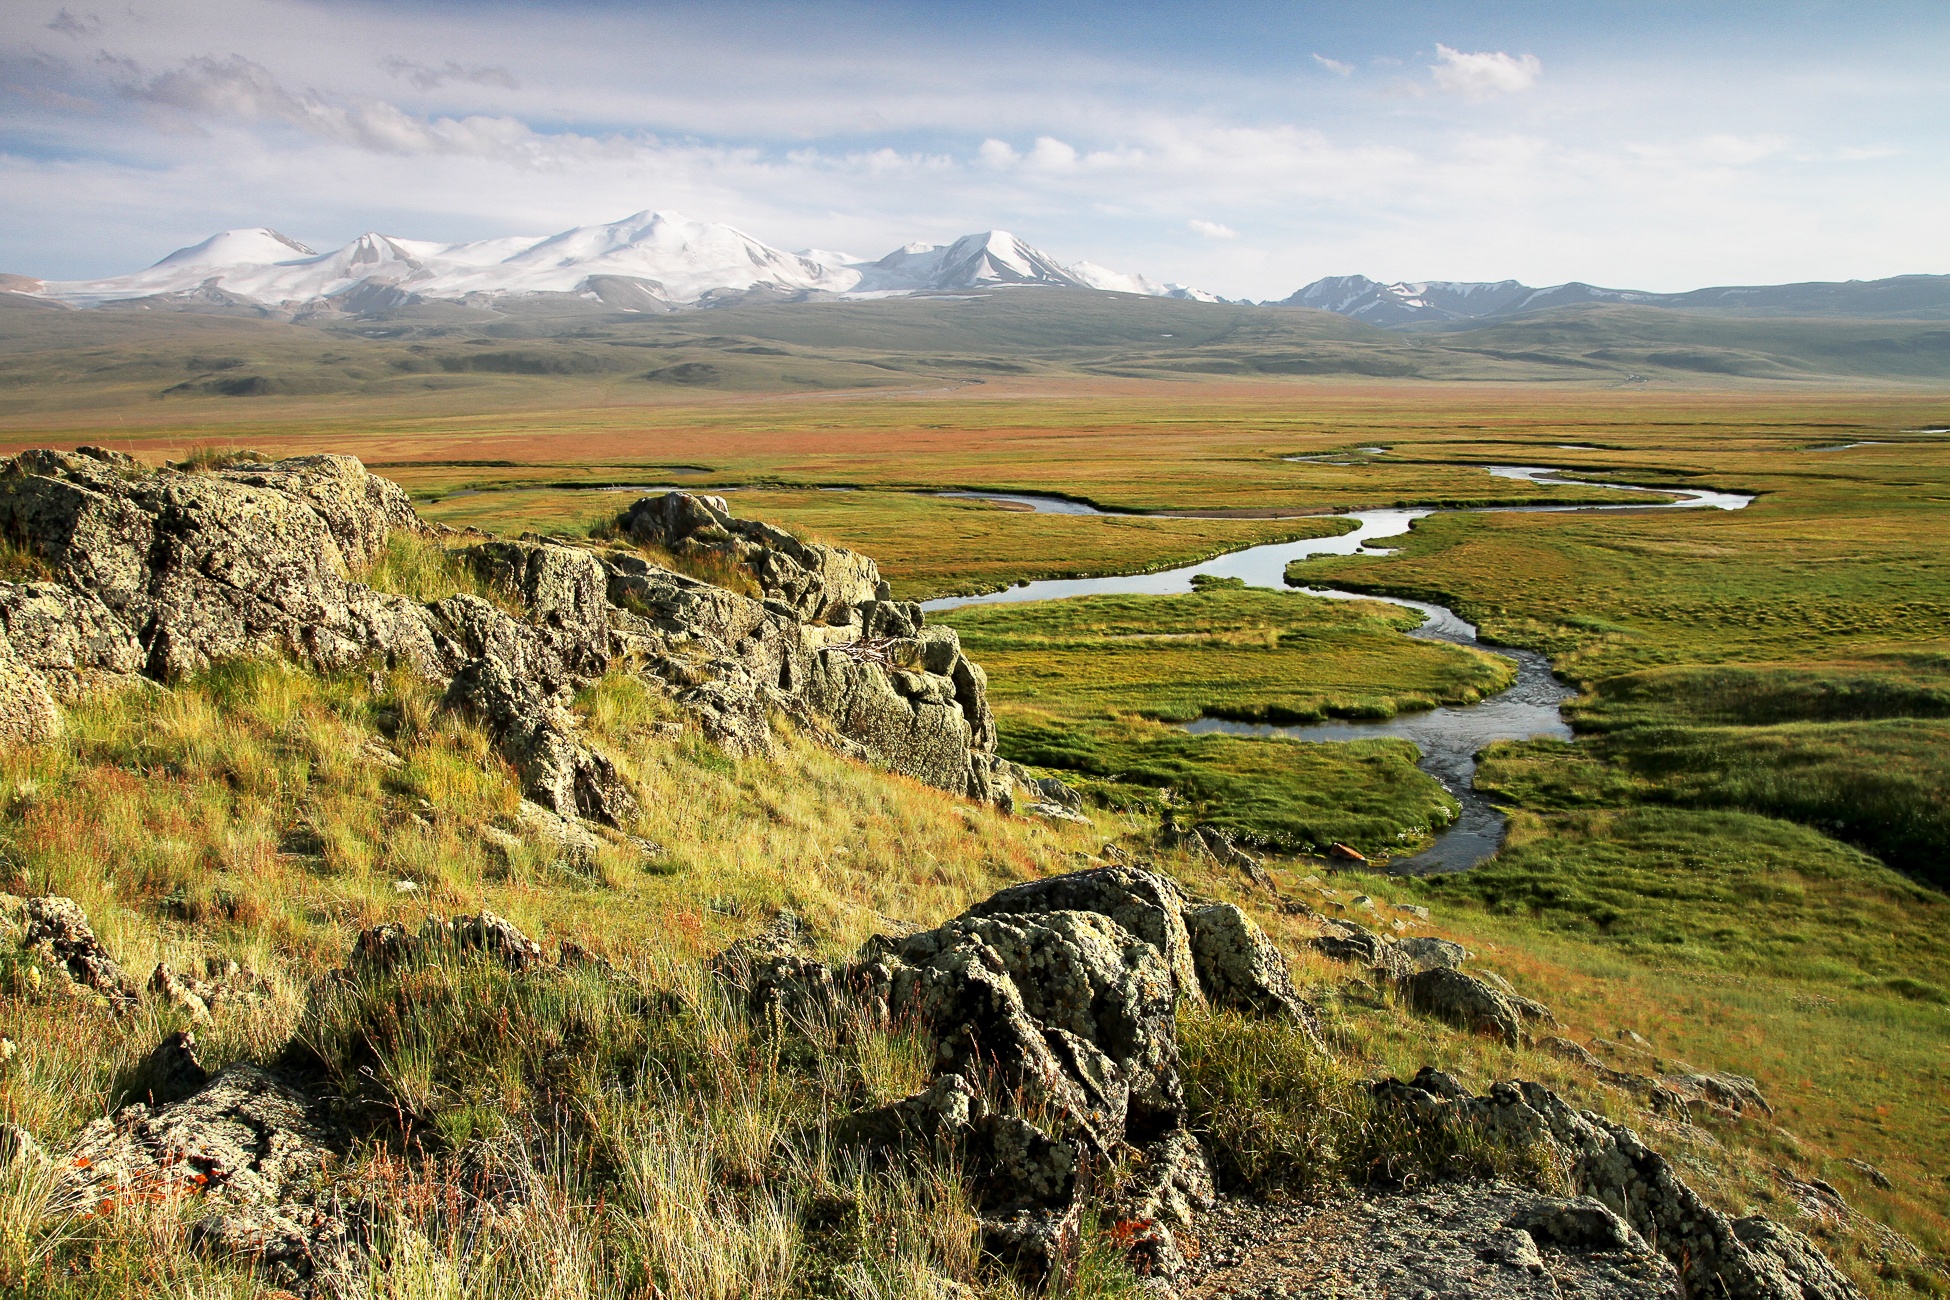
x,y
1448,738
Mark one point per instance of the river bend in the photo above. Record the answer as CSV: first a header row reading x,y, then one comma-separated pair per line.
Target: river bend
x,y
1447,738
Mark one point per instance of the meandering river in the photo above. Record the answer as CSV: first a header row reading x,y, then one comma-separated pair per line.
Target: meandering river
x,y
1449,738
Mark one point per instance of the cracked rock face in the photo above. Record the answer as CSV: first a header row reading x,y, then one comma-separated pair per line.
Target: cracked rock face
x,y
1744,1259
558,771
1052,1009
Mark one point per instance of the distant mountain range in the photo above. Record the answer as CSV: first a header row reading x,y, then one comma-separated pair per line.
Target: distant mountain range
x,y
649,262
1438,302
656,262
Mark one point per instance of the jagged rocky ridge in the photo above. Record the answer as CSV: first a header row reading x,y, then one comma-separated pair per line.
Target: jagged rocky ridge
x,y
1052,1007
154,573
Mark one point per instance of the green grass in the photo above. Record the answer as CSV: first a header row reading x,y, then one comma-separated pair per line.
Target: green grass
x,y
1279,794
1081,686
1721,890
1246,654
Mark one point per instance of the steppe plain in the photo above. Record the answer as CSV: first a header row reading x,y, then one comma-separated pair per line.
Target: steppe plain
x,y
1741,858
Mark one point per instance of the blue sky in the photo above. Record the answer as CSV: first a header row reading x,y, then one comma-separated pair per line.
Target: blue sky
x,y
1244,148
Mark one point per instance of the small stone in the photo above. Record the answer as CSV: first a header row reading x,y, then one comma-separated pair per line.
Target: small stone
x,y
406,886
166,984
1869,1171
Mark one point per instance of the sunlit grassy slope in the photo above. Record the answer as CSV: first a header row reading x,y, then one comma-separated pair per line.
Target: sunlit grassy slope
x,y
262,815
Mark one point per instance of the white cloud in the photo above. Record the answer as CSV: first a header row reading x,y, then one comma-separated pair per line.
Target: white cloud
x,y
1334,66
1723,149
998,154
427,78
206,88
1212,229
1051,154
1483,75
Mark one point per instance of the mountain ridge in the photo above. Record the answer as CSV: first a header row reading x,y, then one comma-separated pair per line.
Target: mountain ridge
x,y
1439,303
648,261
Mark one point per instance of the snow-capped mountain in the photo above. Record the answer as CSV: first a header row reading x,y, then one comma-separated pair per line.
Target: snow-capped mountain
x,y
1405,301
652,261
990,258
1410,302
1102,277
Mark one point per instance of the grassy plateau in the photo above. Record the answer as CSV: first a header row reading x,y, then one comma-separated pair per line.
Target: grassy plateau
x,y
1741,857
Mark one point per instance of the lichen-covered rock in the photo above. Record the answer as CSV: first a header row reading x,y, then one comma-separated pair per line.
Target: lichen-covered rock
x,y
558,771
565,593
1729,1093
1464,1000
1348,942
1751,1259
775,972
28,715
1147,905
384,947
315,1249
58,928
1051,1009
1785,1265
70,638
1069,1006
1239,967
820,583
360,509
200,566
1426,952
247,1137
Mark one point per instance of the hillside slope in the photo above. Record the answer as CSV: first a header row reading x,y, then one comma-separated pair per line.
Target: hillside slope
x,y
53,358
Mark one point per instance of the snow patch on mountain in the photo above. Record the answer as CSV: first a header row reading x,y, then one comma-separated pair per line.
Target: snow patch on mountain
x,y
647,261
1102,277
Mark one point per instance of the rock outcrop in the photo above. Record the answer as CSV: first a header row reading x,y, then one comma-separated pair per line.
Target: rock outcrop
x,y
1238,966
1052,1008
159,572
252,1148
1750,1258
1484,1241
56,929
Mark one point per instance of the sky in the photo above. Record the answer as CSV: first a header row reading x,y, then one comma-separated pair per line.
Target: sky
x,y
1246,149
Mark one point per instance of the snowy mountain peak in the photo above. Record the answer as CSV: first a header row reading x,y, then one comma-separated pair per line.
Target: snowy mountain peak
x,y
649,260
1408,301
238,248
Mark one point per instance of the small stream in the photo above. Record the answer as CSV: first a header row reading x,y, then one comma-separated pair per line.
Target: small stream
x,y
1447,738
